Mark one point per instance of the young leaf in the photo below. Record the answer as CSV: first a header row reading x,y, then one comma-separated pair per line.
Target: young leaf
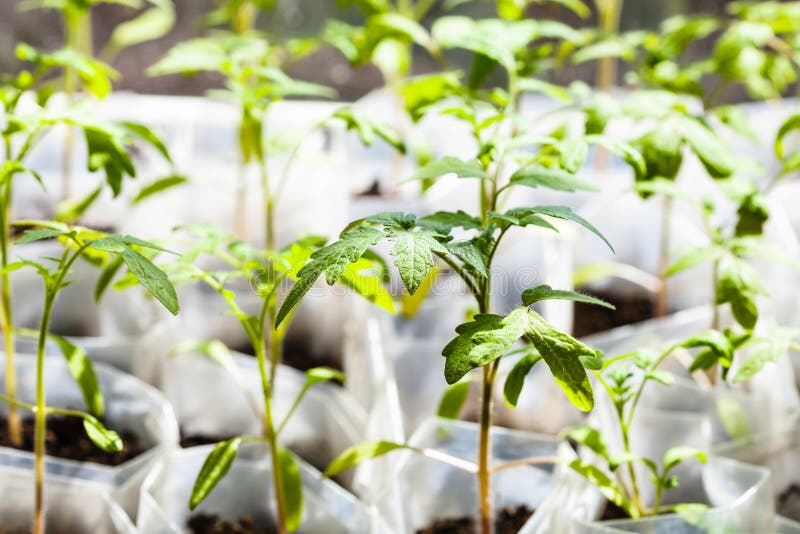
x,y
450,165
676,455
516,377
775,346
37,235
443,222
605,484
152,278
739,286
481,341
545,292
368,129
360,453
556,179
72,210
563,212
331,260
413,253
791,124
357,276
214,469
715,156
693,257
718,348
292,488
627,152
81,369
562,353
317,375
158,186
468,253
107,440
453,400
590,438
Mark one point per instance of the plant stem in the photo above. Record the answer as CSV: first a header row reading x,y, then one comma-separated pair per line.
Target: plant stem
x,y
41,416
244,19
6,312
663,258
269,208
608,12
484,448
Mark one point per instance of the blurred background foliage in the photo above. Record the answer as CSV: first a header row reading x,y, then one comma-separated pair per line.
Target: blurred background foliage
x,y
292,17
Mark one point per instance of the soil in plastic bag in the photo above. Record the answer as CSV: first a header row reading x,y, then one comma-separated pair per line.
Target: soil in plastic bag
x,y
213,524
788,504
630,308
508,521
66,438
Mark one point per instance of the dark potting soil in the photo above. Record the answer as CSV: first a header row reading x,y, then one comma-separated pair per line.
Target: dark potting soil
x,y
788,504
631,308
195,440
213,524
612,511
508,521
296,355
67,439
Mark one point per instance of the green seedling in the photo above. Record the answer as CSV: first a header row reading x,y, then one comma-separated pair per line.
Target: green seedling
x,y
267,271
108,145
77,56
79,242
510,155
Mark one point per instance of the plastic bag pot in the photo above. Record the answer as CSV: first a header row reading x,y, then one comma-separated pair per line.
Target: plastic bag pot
x,y
70,505
130,404
765,406
245,491
739,497
110,331
212,403
425,490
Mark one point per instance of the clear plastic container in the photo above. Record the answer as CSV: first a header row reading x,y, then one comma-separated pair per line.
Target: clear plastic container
x,y
210,401
425,490
130,404
246,491
70,505
739,497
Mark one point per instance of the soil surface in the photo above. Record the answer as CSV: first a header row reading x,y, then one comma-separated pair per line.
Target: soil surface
x,y
631,308
612,511
788,504
508,521
67,439
213,524
296,355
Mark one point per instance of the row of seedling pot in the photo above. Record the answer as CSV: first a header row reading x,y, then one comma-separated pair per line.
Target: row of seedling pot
x,y
470,362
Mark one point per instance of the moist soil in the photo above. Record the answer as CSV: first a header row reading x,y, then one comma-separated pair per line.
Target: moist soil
x,y
213,524
67,439
296,355
612,511
508,521
630,308
788,504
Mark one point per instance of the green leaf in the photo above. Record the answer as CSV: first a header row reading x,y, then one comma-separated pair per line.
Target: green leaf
x,y
660,376
775,345
481,341
362,278
214,469
573,153
158,186
316,375
214,350
443,222
715,156
676,455
453,400
718,347
72,210
292,488
368,130
791,124
562,353
105,277
151,278
739,286
147,26
753,213
82,370
693,257
516,377
402,26
590,438
626,151
545,292
450,165
557,179
331,260
468,253
563,212
413,251
662,152
37,235
534,85
146,134
105,439
605,485
360,453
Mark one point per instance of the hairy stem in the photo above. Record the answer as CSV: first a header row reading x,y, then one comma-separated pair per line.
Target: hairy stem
x,y
484,448
663,258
